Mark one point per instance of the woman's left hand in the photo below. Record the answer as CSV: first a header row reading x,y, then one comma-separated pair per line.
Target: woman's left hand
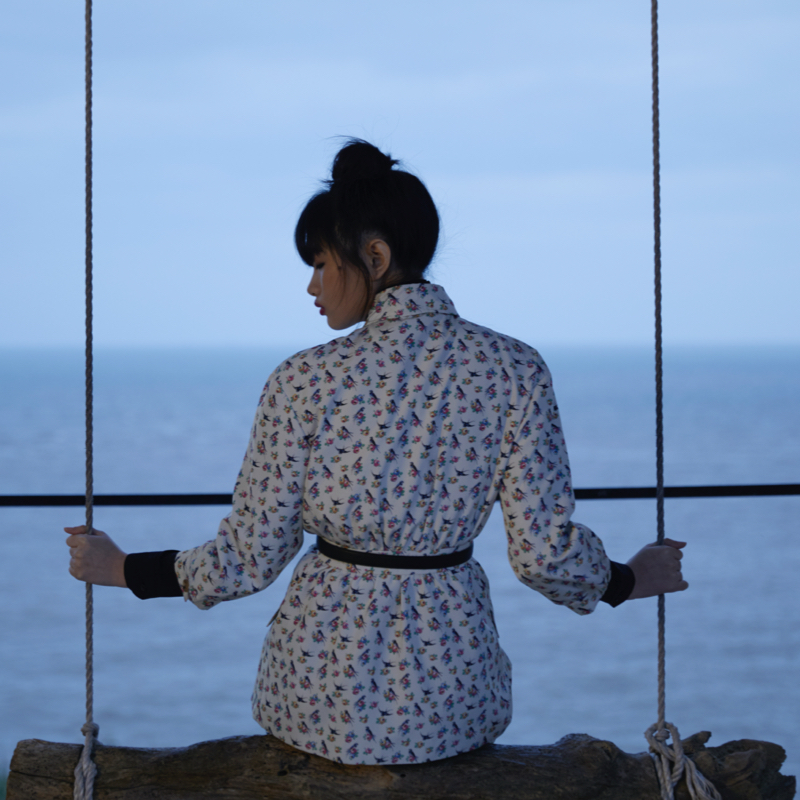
x,y
95,558
657,569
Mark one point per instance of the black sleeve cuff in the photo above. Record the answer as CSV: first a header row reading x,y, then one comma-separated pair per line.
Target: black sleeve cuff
x,y
620,586
152,574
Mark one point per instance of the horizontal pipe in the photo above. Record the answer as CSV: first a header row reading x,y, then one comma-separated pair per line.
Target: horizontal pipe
x,y
610,493
645,492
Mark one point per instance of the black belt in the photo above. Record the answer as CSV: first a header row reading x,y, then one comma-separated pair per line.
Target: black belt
x,y
392,562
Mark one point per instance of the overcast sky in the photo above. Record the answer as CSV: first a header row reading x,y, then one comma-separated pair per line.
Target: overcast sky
x,y
529,122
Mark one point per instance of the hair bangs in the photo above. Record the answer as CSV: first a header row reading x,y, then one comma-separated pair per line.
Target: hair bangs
x,y
315,229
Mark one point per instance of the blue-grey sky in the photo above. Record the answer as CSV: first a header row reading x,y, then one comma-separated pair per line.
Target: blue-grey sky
x,y
529,122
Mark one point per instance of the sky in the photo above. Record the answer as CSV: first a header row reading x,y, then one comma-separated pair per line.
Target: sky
x,y
528,121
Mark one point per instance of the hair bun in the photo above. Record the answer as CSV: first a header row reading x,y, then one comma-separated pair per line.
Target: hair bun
x,y
366,195
359,160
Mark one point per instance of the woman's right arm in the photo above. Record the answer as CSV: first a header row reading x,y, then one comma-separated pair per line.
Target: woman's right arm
x,y
562,559
657,570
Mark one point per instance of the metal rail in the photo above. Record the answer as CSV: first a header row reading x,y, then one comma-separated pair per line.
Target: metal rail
x,y
609,493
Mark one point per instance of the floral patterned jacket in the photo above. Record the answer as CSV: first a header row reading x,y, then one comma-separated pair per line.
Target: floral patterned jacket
x,y
397,439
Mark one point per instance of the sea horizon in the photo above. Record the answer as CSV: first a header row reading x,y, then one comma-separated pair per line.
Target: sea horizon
x,y
177,420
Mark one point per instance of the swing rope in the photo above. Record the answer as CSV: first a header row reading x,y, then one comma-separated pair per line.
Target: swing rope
x,y
657,734
670,761
86,769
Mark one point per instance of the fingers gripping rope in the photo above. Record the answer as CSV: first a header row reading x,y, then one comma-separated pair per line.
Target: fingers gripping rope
x,y
681,765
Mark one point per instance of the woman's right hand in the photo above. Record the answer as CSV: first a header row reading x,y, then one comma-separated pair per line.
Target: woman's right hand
x,y
95,558
657,569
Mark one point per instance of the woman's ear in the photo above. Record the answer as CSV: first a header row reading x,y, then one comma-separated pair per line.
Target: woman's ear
x,y
378,257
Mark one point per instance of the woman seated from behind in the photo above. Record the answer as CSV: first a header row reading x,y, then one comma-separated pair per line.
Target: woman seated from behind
x,y
391,445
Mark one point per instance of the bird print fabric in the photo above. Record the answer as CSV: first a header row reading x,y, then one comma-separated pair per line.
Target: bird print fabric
x,y
397,438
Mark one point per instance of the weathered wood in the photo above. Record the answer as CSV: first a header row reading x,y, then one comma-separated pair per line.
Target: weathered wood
x,y
578,767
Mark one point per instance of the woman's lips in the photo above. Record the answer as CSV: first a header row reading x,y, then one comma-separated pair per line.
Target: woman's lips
x,y
322,310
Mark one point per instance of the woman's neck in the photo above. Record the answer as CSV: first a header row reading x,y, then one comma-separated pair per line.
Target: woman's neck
x,y
402,282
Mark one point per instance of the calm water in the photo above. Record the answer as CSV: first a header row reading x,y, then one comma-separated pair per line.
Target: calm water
x,y
177,421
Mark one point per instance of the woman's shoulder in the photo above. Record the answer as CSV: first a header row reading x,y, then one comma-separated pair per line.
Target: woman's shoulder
x,y
312,366
321,355
503,350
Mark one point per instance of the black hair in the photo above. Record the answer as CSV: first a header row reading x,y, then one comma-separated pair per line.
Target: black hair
x,y
367,196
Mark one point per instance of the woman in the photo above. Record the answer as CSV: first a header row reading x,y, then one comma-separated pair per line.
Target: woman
x,y
391,445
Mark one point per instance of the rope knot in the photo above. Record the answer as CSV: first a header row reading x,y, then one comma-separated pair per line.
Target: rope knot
x,y
661,735
671,764
86,769
90,729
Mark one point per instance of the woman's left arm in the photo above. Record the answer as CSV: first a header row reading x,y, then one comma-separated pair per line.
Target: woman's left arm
x,y
260,536
264,530
95,559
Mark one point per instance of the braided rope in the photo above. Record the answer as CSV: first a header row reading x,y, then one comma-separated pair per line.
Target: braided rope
x,y
86,770
658,734
682,766
658,352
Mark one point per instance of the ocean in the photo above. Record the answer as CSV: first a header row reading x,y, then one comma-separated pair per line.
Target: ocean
x,y
170,421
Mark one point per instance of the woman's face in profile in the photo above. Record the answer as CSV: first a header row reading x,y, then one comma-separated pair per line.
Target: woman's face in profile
x,y
338,290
